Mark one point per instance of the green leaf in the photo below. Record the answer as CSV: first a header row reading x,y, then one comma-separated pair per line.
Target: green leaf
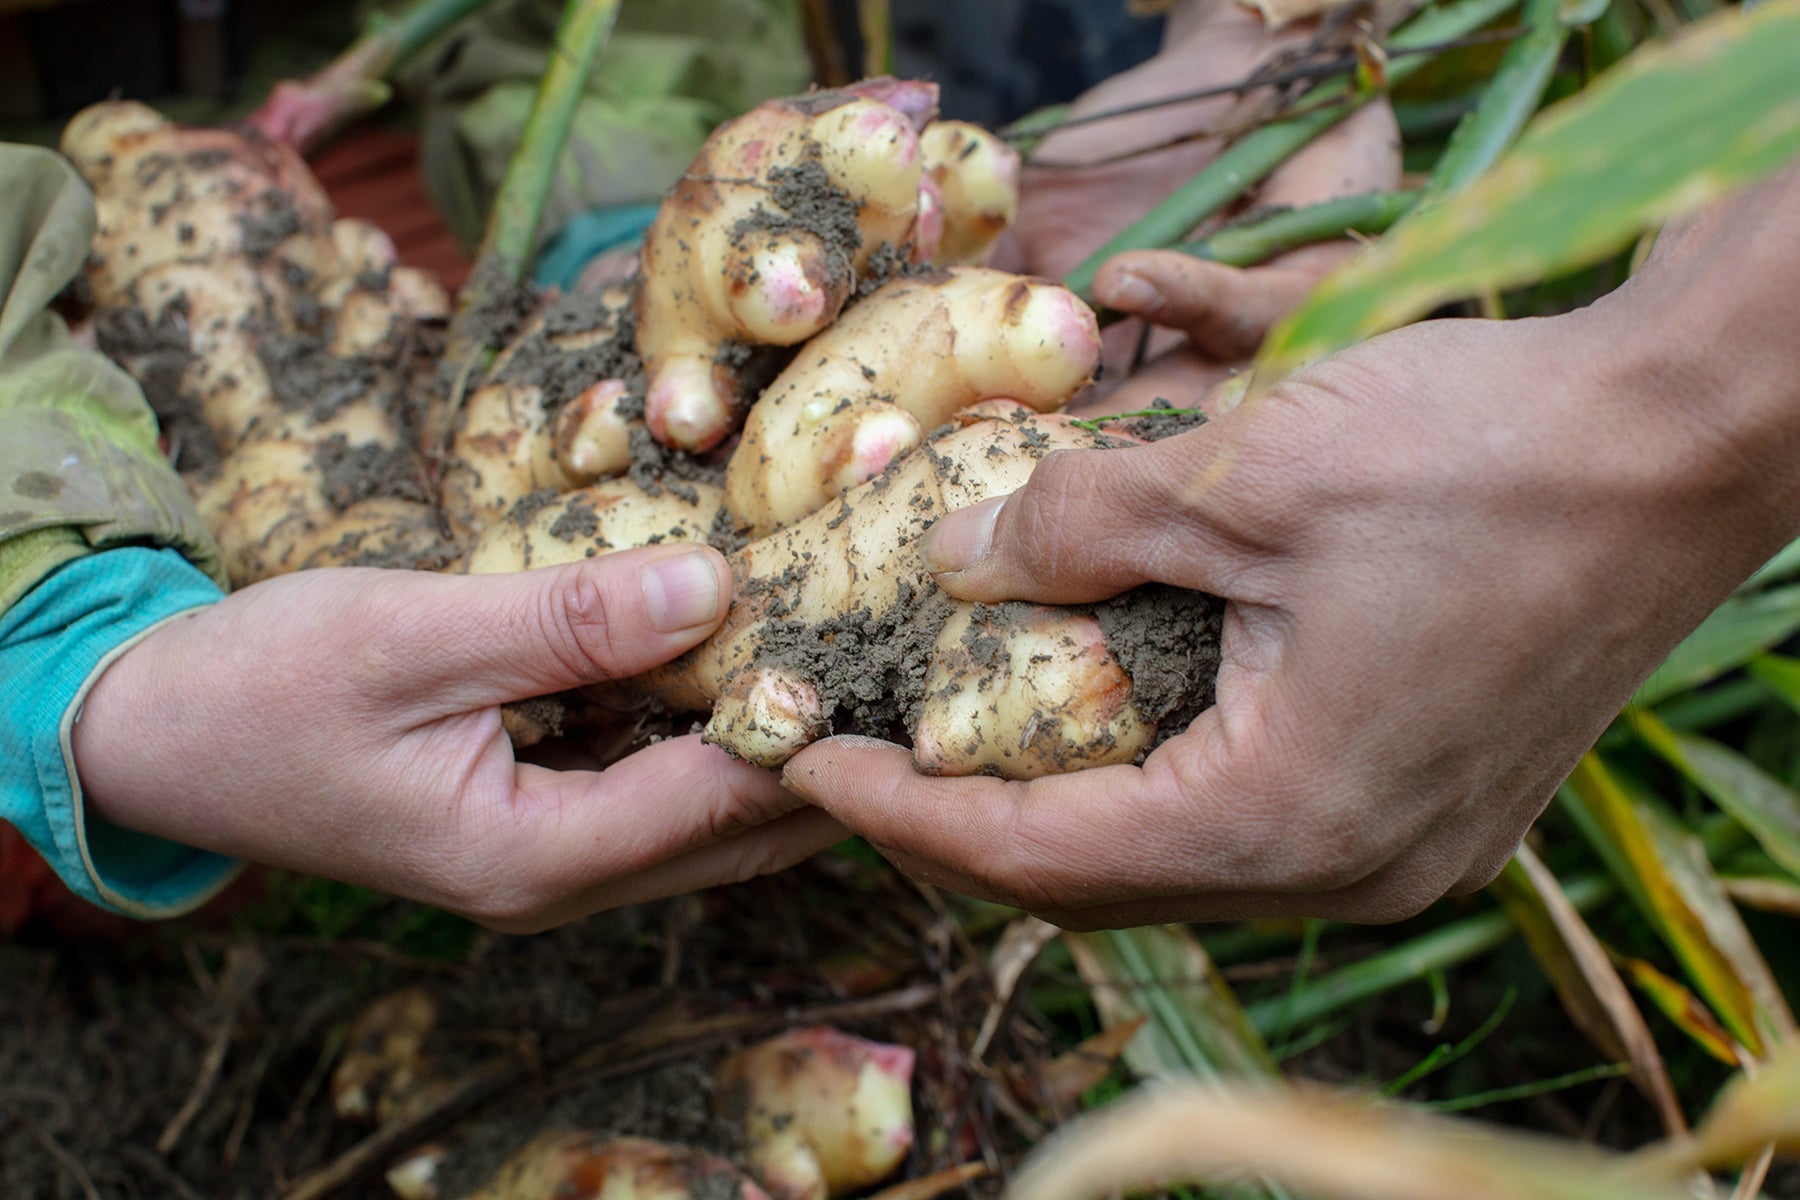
x,y
1736,632
1785,563
1250,159
1780,674
1673,127
1764,805
1509,101
1197,1027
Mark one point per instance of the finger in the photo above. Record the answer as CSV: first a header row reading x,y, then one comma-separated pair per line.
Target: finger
x,y
1191,837
1183,378
467,642
1226,311
1089,524
556,837
769,848
1177,826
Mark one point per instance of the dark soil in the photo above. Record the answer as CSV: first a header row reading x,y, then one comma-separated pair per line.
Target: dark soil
x,y
611,1024
872,667
156,354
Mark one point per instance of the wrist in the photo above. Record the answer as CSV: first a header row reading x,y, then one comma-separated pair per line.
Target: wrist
x,y
1701,352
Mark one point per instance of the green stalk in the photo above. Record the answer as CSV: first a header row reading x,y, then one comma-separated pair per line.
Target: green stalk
x,y
518,209
876,22
1258,241
1455,943
417,26
1250,159
1508,103
519,206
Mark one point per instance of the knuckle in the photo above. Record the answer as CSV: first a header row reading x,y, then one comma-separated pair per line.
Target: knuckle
x,y
576,622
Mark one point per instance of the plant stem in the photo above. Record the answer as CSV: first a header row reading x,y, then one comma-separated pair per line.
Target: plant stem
x,y
1454,943
1508,103
519,205
1247,161
518,209
1258,241
876,21
303,114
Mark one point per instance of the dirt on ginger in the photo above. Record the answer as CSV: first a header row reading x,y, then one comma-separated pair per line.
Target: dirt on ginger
x,y
805,272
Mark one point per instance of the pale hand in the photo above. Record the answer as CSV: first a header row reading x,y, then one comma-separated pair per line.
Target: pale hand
x,y
347,723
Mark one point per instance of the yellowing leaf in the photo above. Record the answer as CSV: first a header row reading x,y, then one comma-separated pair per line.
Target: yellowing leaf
x,y
1666,872
1688,1012
1321,1146
1585,978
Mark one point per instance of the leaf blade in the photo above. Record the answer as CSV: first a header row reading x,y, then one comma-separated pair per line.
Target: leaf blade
x,y
1556,201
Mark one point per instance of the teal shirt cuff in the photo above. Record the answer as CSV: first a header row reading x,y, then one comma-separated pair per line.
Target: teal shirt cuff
x,y
54,643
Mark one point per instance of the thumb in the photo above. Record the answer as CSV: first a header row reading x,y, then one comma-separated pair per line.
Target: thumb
x,y
1226,311
494,638
1087,525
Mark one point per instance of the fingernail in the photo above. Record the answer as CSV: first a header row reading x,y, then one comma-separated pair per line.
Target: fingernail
x,y
1131,293
680,592
962,539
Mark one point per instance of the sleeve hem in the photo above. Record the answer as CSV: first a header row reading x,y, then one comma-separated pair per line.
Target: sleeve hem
x,y
77,803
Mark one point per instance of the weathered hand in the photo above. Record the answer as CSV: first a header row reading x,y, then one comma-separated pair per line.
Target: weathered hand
x,y
1450,554
347,723
1066,214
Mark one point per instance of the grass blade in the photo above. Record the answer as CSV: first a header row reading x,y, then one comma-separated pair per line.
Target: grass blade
x,y
1671,128
1258,241
1508,103
1736,632
1196,1027
1764,805
1441,949
1779,674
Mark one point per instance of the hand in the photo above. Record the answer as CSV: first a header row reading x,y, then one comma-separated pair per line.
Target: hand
x,y
1066,214
1450,553
347,723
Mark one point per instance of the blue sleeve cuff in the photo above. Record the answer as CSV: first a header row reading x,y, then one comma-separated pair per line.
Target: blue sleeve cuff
x,y
586,238
54,643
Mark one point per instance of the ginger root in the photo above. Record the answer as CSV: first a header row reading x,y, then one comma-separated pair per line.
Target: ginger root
x,y
278,341
763,239
293,364
836,617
